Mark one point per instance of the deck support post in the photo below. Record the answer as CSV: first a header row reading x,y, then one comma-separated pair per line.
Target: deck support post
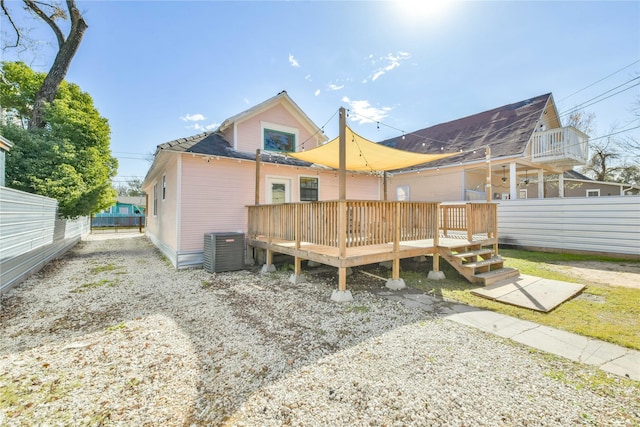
x,y
297,276
436,274
396,283
342,294
268,266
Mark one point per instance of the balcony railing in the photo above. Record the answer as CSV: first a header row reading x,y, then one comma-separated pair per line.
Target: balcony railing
x,y
563,146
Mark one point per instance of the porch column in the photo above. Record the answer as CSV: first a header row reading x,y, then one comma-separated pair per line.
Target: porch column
x,y
513,184
561,184
540,184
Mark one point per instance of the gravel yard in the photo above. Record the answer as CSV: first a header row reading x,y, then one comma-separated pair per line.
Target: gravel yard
x,y
111,334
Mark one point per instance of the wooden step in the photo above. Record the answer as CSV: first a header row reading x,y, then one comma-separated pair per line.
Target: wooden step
x,y
484,262
473,253
491,277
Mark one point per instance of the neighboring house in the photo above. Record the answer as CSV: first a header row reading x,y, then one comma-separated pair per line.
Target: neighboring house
x,y
5,147
576,185
124,212
527,143
204,183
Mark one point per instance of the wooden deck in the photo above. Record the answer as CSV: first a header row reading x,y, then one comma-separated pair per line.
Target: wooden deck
x,y
351,233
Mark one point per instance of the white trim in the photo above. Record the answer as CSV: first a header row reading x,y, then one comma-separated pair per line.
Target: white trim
x,y
273,179
597,190
178,206
164,187
279,128
155,198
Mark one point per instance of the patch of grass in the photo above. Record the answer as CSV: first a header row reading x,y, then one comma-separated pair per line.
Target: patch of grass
x,y
19,397
603,312
117,327
105,268
99,283
356,309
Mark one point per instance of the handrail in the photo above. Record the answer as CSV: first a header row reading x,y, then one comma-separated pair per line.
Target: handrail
x,y
367,222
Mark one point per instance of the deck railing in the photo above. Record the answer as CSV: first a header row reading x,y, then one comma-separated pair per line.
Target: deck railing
x,y
560,145
369,222
366,222
472,218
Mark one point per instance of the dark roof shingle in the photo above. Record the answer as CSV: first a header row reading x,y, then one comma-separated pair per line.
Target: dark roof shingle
x,y
213,144
505,129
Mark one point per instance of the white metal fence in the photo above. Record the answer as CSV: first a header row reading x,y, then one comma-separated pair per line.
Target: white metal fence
x,y
609,225
31,234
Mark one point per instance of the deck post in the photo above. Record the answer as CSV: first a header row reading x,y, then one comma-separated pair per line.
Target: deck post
x,y
342,294
436,274
396,283
258,161
268,267
487,187
297,276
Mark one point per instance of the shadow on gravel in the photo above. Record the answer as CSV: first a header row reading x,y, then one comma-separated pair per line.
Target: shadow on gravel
x,y
248,330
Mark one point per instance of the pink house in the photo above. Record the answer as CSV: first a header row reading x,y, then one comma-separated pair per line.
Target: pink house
x,y
204,183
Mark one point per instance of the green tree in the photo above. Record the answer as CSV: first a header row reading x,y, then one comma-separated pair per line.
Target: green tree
x,y
70,158
52,14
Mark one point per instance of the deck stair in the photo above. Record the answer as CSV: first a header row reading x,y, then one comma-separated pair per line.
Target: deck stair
x,y
478,264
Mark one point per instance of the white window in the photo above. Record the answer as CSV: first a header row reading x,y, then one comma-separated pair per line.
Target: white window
x,y
593,193
522,194
155,199
308,188
402,193
164,186
278,190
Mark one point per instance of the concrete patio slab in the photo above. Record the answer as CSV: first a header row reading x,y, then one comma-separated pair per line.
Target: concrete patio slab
x,y
530,292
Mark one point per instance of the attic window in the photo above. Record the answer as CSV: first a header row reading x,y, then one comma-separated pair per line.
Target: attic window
x,y
275,140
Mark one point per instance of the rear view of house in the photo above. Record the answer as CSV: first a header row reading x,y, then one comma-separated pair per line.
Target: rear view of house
x,y
203,183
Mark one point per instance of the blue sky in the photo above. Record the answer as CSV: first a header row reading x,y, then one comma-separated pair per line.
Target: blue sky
x,y
161,70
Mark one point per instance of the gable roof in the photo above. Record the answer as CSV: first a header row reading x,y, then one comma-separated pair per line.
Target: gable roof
x,y
281,97
505,129
213,144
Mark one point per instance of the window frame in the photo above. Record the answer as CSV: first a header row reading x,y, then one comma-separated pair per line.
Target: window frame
x,y
155,198
593,190
281,129
164,187
317,188
407,192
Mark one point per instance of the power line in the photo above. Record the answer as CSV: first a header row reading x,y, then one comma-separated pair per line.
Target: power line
x,y
598,81
586,103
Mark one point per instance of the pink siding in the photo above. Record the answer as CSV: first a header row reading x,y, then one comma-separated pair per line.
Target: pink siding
x,y
249,131
162,225
215,194
436,186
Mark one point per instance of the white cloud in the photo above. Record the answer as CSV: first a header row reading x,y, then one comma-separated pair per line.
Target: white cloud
x,y
317,92
203,128
192,118
332,86
391,61
308,77
293,61
363,112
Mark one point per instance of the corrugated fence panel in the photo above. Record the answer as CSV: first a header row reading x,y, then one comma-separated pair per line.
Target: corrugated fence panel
x,y
589,224
31,234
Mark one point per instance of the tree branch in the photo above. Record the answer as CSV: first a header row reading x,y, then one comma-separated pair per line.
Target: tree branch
x,y
36,9
13,24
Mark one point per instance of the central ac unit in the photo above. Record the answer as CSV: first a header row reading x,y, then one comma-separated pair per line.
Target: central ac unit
x,y
223,252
